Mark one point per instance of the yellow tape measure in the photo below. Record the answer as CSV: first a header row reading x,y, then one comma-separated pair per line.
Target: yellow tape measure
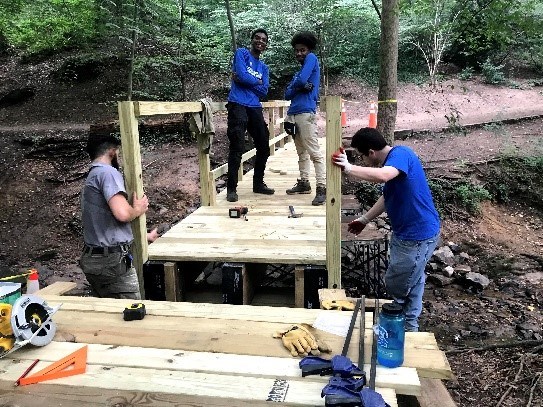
x,y
18,275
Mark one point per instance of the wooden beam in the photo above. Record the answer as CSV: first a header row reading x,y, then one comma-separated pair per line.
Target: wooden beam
x,y
299,286
271,128
333,192
57,288
207,182
403,380
157,108
171,282
130,142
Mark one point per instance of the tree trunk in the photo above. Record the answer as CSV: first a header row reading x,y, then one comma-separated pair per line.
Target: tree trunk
x,y
388,77
231,24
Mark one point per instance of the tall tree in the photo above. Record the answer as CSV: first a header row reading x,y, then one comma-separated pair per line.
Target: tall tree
x,y
388,76
231,24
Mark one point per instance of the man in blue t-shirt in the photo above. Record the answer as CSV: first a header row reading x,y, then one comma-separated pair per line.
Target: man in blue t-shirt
x,y
250,81
413,217
303,92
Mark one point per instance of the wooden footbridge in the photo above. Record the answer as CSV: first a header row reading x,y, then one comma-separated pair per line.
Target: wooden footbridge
x,y
221,355
267,234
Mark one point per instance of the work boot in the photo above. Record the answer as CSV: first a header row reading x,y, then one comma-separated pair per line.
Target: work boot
x,y
262,188
232,196
302,186
320,198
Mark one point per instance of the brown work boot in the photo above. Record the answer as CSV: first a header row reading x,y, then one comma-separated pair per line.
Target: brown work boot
x,y
320,198
302,186
262,188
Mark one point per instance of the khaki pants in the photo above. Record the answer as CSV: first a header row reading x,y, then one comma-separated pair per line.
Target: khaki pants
x,y
307,146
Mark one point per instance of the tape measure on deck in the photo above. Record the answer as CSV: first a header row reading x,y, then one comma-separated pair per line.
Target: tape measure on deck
x,y
134,312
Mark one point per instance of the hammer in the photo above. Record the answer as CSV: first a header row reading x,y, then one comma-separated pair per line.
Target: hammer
x,y
294,214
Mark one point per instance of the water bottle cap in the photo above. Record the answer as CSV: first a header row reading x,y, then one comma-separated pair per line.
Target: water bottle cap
x,y
392,308
33,274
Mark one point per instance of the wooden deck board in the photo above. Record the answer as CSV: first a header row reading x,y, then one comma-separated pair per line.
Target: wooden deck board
x,y
243,330
268,235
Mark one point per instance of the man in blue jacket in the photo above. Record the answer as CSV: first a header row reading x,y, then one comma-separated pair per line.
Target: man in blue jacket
x,y
303,92
250,81
409,205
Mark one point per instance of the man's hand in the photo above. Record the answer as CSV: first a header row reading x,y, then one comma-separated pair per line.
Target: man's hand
x,y
153,235
339,158
357,225
301,342
308,87
140,205
339,305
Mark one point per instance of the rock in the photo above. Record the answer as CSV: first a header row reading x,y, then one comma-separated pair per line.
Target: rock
x,y
448,271
434,268
464,257
476,280
462,269
444,255
454,247
438,280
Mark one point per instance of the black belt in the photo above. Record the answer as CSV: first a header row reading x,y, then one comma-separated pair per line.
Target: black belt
x,y
105,250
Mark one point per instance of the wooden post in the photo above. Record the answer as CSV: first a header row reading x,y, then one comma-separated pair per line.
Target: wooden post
x,y
333,192
130,143
282,112
171,282
271,127
207,183
299,285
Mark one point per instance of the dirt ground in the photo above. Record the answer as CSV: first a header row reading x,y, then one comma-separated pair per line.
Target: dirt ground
x,y
42,167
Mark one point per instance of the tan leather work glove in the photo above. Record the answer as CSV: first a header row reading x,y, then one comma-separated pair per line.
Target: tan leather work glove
x,y
301,342
340,305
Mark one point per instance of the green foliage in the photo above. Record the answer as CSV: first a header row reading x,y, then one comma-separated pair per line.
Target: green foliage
x,y
492,74
367,194
466,73
494,29
454,198
48,26
518,179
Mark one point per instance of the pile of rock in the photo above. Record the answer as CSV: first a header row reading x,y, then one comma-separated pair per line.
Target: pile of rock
x,y
450,265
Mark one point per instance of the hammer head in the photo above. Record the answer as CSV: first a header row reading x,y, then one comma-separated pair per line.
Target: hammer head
x,y
294,214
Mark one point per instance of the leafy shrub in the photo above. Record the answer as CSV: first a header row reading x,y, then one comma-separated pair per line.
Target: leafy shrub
x,y
492,73
457,198
466,74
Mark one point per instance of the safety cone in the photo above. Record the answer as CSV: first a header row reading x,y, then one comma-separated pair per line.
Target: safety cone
x,y
373,116
343,115
32,282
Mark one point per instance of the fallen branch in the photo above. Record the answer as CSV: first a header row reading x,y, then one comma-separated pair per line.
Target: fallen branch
x,y
512,384
532,389
519,344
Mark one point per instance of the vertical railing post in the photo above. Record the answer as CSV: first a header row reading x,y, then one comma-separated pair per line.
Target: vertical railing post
x,y
130,143
271,127
333,192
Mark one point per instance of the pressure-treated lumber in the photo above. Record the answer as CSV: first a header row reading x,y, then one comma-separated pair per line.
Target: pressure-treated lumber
x,y
244,330
166,380
57,288
403,380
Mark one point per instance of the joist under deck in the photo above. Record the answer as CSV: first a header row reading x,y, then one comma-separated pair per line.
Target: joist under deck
x,y
267,236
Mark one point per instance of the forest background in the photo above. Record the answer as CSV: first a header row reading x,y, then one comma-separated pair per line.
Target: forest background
x,y
180,49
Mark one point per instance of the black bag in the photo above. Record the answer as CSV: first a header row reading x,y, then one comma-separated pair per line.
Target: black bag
x,y
290,128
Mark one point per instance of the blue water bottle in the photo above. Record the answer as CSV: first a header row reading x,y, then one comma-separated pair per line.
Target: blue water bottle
x,y
391,337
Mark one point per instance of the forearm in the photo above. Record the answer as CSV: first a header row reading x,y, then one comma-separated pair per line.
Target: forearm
x,y
370,174
377,209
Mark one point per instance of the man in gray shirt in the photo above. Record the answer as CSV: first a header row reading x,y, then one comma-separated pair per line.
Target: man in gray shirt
x,y
106,216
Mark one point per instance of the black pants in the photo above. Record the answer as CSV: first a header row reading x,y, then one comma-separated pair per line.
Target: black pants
x,y
240,120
